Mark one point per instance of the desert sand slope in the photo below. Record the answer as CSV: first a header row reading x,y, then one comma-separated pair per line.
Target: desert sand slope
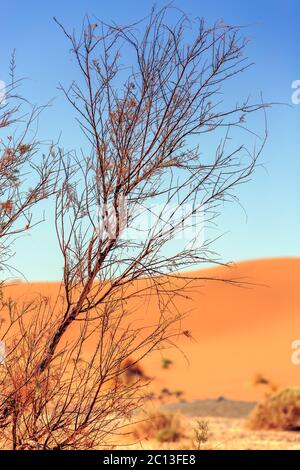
x,y
240,332
237,331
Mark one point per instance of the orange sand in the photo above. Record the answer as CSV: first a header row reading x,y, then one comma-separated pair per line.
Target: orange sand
x,y
237,332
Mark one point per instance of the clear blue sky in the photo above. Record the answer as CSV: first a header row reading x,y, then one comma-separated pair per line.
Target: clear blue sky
x,y
271,199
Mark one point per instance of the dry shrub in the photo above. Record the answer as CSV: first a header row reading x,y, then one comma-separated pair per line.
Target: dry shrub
x,y
168,435
279,411
132,372
164,426
260,379
141,126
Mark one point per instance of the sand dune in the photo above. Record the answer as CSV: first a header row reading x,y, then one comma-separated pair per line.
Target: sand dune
x,y
237,331
240,332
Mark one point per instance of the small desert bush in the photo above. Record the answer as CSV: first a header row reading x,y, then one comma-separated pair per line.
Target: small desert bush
x,y
166,363
260,379
164,426
132,372
279,411
168,435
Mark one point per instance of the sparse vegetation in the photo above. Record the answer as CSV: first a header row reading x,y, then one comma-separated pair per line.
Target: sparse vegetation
x,y
160,425
166,363
260,379
132,372
165,391
168,435
279,411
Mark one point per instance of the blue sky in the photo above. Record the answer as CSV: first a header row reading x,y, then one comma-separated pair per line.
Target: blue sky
x,y
271,200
